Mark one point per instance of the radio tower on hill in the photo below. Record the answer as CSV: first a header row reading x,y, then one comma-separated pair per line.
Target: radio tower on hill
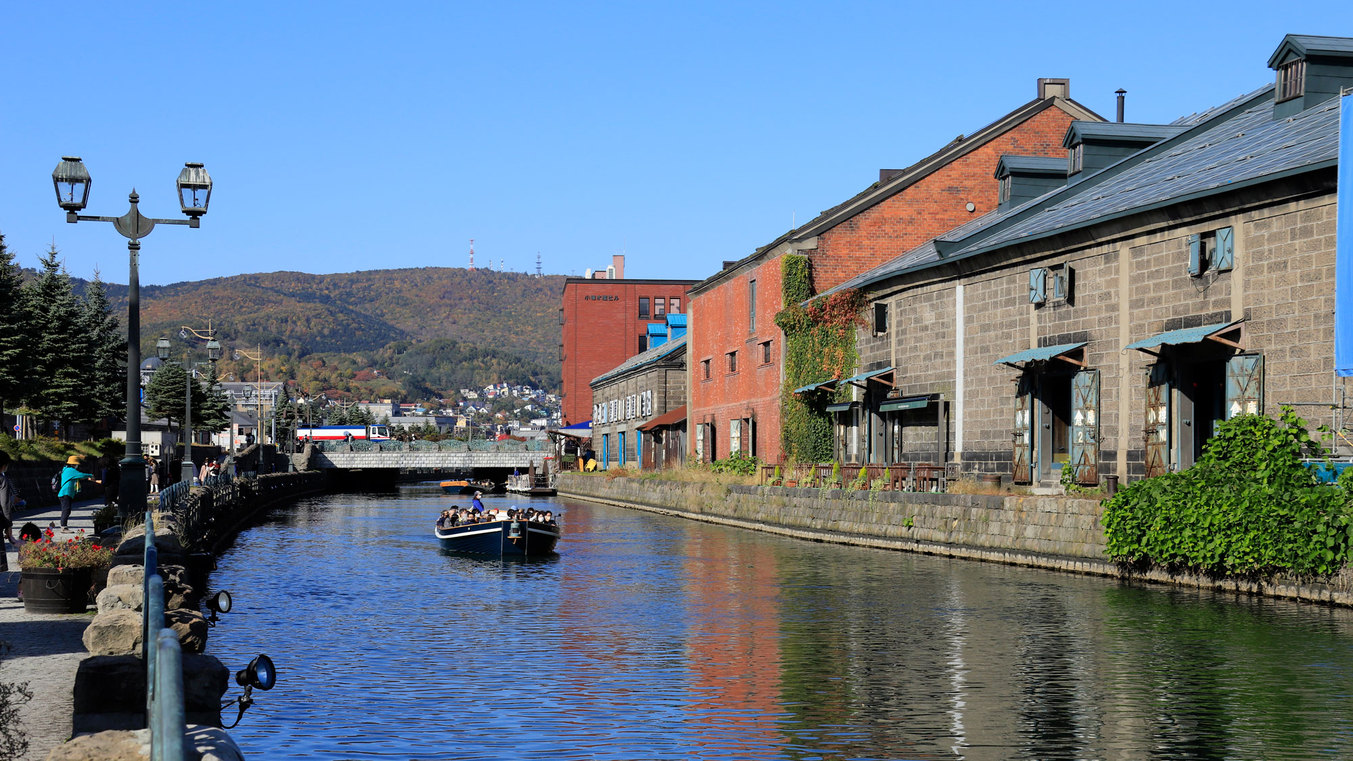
x,y
537,264
472,254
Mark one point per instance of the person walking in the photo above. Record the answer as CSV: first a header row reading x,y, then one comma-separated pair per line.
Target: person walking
x,y
8,496
70,475
154,466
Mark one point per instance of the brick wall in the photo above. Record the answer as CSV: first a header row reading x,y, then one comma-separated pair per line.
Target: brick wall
x,y
721,323
601,328
933,205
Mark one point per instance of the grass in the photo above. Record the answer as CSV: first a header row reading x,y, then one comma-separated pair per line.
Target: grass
x,y
45,449
690,474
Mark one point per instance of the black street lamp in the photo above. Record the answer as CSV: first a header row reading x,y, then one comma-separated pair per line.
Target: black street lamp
x,y
72,183
162,348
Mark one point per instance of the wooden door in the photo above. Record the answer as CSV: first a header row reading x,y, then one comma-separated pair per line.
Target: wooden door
x,y
1157,445
1084,445
1244,385
1022,466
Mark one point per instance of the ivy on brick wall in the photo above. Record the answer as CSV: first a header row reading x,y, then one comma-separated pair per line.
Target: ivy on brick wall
x,y
819,344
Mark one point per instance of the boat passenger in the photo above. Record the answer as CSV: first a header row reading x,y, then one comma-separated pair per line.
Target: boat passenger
x,y
476,504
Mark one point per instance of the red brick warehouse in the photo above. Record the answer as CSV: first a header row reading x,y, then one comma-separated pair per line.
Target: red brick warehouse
x,y
604,321
734,358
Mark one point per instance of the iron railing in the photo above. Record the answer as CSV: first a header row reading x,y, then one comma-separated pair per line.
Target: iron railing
x,y
434,446
165,712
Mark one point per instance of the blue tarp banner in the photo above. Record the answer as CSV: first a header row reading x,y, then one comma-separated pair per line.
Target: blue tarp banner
x,y
1343,247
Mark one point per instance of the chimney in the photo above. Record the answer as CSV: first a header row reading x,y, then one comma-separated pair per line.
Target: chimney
x,y
1122,94
618,263
1054,88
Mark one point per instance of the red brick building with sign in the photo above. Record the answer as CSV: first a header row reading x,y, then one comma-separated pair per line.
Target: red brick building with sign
x,y
734,361
605,322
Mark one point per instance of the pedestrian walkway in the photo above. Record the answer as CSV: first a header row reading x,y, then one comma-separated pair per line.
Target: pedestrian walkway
x,y
45,649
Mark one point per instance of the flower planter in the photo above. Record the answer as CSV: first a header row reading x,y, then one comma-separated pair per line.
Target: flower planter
x,y
51,590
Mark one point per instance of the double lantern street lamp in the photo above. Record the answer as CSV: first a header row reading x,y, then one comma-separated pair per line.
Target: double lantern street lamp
x,y
72,183
162,349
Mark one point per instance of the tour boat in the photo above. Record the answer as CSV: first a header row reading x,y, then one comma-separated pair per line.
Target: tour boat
x,y
505,537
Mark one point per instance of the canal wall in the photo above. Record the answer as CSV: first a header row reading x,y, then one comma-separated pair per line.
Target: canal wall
x,y
1053,533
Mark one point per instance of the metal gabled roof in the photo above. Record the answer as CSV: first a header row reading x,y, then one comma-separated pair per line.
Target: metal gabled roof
x,y
1304,45
643,358
1182,336
1010,163
1041,354
1119,131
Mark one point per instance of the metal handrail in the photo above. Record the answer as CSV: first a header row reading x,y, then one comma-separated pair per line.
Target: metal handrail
x,y
163,657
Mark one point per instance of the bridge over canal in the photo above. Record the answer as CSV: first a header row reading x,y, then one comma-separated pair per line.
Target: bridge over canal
x,y
469,458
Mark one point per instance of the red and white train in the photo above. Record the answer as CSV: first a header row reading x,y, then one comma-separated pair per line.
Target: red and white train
x,y
344,433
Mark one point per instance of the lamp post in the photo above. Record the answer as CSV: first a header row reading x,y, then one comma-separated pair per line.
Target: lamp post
x,y
162,347
257,357
72,183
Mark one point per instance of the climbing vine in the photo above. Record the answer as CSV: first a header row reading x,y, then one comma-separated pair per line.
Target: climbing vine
x,y
819,345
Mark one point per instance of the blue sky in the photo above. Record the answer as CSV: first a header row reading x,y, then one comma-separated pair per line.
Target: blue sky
x,y
346,136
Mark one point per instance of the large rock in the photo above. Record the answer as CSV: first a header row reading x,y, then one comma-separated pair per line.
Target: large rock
x,y
204,743
134,541
115,632
110,692
178,592
121,597
127,574
191,628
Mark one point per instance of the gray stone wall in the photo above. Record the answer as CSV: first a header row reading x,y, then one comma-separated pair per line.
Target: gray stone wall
x,y
1054,533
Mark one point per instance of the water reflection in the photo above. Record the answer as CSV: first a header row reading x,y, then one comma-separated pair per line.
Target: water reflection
x,y
655,638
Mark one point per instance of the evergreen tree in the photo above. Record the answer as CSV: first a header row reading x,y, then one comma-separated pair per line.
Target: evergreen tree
x,y
215,406
284,418
58,383
108,351
166,393
15,332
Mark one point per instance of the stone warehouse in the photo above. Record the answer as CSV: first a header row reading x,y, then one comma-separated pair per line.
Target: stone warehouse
x,y
646,389
1105,316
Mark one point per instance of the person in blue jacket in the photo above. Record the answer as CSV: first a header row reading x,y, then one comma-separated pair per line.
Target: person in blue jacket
x,y
476,504
66,493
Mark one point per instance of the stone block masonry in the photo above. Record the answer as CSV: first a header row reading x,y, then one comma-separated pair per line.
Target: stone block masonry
x,y
1052,533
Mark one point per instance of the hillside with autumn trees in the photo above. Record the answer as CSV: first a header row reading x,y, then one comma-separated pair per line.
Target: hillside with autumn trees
x,y
414,334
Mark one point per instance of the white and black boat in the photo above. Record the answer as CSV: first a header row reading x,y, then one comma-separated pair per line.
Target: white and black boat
x,y
504,537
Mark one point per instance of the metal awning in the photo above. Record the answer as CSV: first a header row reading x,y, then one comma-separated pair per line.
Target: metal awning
x,y
828,385
1187,336
871,375
1042,354
910,403
841,407
581,430
677,415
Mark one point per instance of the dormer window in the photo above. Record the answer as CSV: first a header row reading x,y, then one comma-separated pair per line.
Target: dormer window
x,y
1291,80
1075,158
1005,190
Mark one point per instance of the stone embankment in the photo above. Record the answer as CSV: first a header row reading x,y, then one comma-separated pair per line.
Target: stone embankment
x,y
1054,533
110,685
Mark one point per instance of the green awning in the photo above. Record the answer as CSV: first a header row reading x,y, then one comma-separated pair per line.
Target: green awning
x,y
842,407
1182,336
1041,354
867,375
829,384
911,403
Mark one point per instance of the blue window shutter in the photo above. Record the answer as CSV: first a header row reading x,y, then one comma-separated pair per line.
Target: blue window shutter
x,y
1244,385
1084,445
1226,248
1038,286
1195,255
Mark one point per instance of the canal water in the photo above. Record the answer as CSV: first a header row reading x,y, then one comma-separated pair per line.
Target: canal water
x,y
650,637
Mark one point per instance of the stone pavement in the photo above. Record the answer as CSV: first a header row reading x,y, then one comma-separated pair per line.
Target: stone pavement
x,y
46,649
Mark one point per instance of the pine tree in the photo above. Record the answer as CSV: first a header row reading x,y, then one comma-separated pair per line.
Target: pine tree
x,y
15,332
166,392
58,383
108,351
215,407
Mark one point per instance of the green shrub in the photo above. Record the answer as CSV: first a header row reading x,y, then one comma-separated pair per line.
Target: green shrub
x,y
737,463
1248,507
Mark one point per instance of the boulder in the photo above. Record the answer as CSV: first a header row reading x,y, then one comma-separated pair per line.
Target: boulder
x,y
114,632
121,597
134,541
127,574
191,628
110,692
178,592
200,743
